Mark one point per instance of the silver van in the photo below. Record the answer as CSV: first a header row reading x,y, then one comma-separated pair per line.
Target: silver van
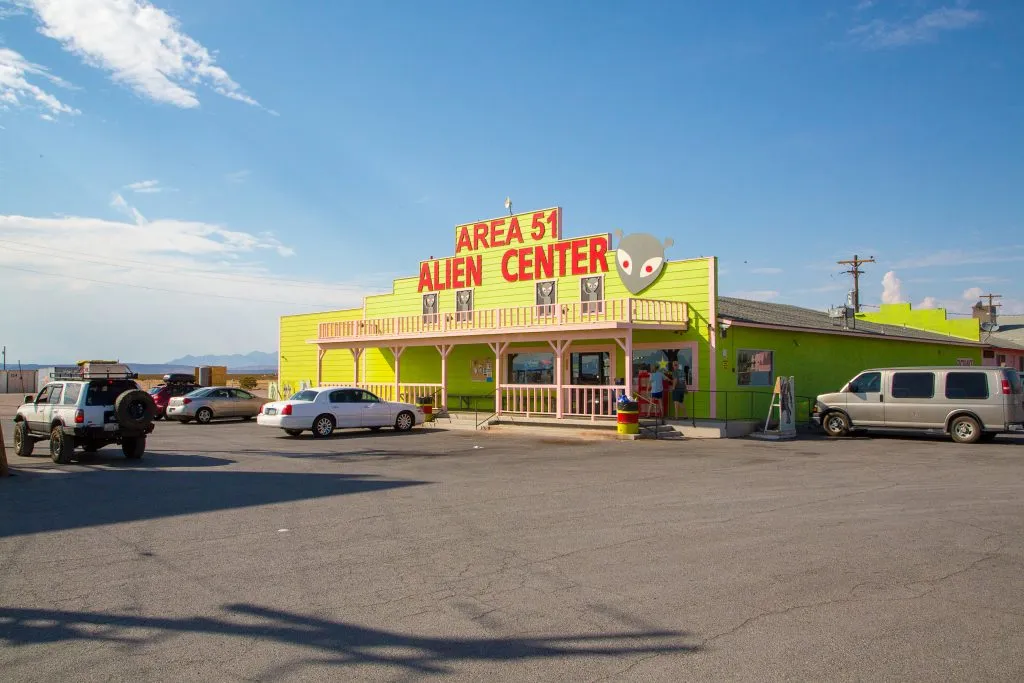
x,y
969,403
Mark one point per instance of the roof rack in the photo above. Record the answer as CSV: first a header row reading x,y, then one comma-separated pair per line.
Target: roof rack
x,y
105,370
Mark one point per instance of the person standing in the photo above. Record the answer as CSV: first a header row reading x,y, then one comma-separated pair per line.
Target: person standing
x,y
658,389
679,379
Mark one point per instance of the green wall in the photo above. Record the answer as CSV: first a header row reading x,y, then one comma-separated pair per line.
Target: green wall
x,y
820,363
928,319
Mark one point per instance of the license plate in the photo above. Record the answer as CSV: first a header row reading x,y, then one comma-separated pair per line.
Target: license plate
x,y
110,427
270,411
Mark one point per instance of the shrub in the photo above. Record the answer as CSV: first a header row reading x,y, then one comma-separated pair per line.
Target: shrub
x,y
248,382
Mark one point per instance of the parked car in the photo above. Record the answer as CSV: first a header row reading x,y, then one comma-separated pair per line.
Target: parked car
x,y
88,413
214,403
324,410
969,403
163,393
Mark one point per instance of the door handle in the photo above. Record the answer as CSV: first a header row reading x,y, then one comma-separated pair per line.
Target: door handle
x,y
881,399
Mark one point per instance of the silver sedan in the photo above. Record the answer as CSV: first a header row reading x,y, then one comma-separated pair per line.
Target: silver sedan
x,y
213,403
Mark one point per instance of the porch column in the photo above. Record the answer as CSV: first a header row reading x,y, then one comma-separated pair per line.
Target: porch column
x,y
629,362
397,352
357,354
444,350
320,351
559,346
499,349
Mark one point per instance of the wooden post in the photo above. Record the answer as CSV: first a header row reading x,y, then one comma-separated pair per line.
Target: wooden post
x,y
444,350
559,346
499,349
397,352
629,363
320,364
4,471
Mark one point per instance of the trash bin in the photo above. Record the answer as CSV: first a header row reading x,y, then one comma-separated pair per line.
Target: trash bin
x,y
426,403
627,414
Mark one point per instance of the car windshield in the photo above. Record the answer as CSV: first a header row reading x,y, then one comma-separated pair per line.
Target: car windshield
x,y
307,395
155,390
104,392
198,393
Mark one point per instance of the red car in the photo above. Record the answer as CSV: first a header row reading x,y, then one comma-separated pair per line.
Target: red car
x,y
163,393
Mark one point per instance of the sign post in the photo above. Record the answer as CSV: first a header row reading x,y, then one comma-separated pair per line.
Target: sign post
x,y
783,401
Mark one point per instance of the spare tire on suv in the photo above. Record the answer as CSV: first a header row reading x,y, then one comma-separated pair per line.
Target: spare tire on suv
x,y
134,409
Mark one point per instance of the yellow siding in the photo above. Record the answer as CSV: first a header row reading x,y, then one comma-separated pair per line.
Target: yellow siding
x,y
298,358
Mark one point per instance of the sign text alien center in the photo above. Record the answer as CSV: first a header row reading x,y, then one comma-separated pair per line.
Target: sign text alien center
x,y
534,252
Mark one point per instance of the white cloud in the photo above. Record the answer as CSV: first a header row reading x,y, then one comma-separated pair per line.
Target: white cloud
x,y
766,271
139,44
16,84
756,294
118,202
238,177
963,257
881,34
892,289
165,288
929,302
148,187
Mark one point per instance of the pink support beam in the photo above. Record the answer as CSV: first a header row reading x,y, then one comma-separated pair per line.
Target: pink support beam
x,y
444,350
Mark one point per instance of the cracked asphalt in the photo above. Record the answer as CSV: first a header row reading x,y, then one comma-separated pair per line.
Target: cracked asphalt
x,y
233,553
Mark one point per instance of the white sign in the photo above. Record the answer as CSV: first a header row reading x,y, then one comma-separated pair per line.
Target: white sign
x,y
787,406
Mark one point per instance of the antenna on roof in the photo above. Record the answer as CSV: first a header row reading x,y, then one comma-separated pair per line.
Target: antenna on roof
x,y
508,205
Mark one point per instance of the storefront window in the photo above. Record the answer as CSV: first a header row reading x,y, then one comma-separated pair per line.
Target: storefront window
x,y
464,305
590,368
531,368
679,362
755,368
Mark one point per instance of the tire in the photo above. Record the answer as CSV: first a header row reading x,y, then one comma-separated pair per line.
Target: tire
x,y
405,421
965,429
23,443
836,424
204,416
293,432
62,446
133,447
323,426
135,409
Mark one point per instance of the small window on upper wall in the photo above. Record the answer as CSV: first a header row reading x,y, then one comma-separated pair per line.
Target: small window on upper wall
x,y
430,308
913,384
592,294
464,305
545,297
755,368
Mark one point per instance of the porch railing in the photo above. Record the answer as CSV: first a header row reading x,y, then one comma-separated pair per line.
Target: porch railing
x,y
591,401
407,392
648,311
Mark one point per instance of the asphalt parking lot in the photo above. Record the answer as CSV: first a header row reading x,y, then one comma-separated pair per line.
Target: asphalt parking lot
x,y
233,552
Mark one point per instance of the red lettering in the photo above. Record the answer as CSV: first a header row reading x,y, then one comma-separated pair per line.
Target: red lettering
x,y
514,232
498,233
479,235
447,274
537,226
525,264
563,250
473,270
508,275
543,256
553,225
579,257
437,276
463,242
598,249
425,281
459,273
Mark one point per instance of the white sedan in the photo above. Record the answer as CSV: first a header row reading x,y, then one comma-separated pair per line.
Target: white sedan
x,y
324,410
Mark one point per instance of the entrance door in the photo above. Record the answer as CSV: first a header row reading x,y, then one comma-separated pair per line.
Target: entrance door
x,y
590,368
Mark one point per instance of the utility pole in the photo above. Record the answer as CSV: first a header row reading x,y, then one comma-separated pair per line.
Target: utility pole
x,y
856,272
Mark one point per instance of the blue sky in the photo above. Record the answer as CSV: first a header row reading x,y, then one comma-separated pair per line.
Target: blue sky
x,y
257,158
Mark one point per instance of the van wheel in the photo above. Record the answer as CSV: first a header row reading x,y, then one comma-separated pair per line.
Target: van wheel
x,y
965,429
836,424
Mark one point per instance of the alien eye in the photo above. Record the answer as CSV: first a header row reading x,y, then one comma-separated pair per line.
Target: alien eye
x,y
624,261
651,266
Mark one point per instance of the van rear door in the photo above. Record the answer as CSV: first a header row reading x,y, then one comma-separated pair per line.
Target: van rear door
x,y
1013,392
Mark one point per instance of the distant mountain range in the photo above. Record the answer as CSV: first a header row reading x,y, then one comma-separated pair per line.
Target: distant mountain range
x,y
257,363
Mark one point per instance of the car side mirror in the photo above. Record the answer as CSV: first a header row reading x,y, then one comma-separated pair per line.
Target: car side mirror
x,y
30,399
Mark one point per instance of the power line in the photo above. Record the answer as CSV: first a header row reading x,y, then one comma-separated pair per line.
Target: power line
x,y
160,289
115,261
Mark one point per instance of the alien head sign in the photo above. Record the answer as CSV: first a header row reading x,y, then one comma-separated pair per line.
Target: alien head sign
x,y
639,258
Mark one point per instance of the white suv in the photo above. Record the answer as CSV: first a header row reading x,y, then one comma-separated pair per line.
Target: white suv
x,y
89,413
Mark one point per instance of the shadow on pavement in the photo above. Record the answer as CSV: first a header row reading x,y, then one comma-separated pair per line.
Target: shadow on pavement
x,y
71,500
335,642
